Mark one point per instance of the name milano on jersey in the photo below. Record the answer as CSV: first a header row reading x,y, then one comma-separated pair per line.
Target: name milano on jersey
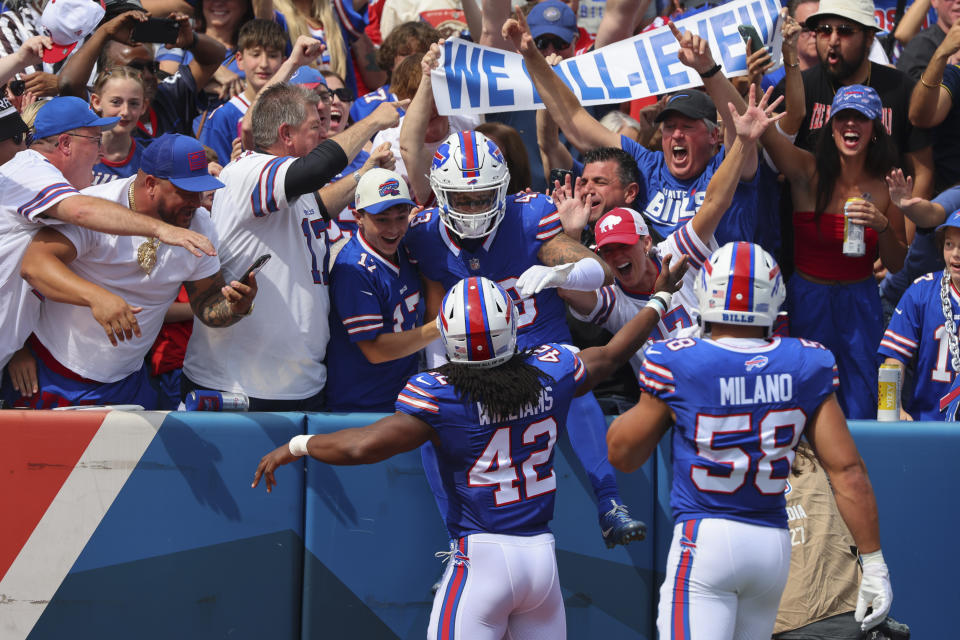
x,y
741,408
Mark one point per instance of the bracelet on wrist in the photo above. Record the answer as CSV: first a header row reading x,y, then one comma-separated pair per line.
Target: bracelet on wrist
x,y
792,65
885,229
928,85
712,71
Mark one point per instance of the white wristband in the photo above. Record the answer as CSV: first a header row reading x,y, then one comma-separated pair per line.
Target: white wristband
x,y
874,557
586,275
298,445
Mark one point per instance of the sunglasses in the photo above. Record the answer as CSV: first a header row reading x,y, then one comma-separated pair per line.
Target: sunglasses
x,y
543,41
843,30
326,96
142,65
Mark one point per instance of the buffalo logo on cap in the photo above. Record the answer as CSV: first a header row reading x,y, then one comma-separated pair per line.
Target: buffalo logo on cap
x,y
197,160
389,188
609,223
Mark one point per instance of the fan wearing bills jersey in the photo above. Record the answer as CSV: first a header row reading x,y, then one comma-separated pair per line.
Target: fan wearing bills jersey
x,y
85,276
477,229
376,328
493,414
624,242
920,332
40,186
271,204
739,401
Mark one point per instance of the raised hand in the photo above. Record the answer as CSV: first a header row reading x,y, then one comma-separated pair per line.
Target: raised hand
x,y
791,30
382,157
306,50
431,59
757,117
694,50
671,276
901,189
516,31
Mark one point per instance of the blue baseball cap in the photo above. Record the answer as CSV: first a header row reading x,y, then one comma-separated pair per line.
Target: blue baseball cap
x,y
953,220
308,77
553,17
859,98
181,160
66,114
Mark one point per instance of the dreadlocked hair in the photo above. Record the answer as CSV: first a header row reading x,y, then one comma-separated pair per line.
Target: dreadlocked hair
x,y
504,390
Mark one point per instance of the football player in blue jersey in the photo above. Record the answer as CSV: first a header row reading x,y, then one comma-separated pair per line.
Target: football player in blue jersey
x,y
923,330
478,229
739,401
376,304
493,413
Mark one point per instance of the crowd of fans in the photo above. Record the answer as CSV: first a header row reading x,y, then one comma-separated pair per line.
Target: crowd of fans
x,y
894,151
308,130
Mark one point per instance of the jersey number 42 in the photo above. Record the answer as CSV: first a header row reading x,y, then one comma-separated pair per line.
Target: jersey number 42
x,y
496,466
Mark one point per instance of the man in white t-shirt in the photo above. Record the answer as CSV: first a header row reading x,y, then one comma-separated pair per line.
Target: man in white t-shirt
x,y
39,186
133,276
269,206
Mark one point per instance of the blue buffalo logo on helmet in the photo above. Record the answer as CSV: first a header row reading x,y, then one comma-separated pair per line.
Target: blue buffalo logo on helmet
x,y
389,188
495,151
440,156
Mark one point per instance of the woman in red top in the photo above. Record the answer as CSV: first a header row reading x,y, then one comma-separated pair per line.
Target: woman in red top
x,y
833,298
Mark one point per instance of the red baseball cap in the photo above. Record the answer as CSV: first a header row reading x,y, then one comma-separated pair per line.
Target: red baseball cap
x,y
620,226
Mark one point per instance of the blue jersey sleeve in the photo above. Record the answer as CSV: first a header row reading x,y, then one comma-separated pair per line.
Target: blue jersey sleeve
x,y
541,222
902,337
822,377
418,398
656,374
220,130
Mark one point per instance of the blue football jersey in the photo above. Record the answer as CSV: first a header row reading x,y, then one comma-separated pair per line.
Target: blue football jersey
x,y
530,220
497,472
916,330
740,412
370,295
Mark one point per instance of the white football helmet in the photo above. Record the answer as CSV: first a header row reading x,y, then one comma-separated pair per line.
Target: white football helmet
x,y
740,284
478,323
469,163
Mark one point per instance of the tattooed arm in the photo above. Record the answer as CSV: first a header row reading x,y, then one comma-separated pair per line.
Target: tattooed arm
x,y
562,249
220,305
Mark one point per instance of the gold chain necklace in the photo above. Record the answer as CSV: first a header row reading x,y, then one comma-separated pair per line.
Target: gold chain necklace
x,y
147,251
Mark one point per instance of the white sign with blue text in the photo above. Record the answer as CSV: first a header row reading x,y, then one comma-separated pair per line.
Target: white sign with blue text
x,y
472,79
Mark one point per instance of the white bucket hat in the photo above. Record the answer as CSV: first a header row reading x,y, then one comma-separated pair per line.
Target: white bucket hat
x,y
859,11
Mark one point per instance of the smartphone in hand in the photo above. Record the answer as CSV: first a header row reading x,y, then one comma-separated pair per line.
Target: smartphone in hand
x,y
255,267
749,34
163,30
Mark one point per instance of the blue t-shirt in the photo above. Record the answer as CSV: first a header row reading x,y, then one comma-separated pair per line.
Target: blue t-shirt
x,y
916,333
369,295
668,203
105,171
220,129
502,256
740,411
497,472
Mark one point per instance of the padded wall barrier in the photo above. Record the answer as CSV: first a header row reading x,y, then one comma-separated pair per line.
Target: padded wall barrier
x,y
144,525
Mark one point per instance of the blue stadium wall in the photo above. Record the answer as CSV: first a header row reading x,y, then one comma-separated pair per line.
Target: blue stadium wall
x,y
144,525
